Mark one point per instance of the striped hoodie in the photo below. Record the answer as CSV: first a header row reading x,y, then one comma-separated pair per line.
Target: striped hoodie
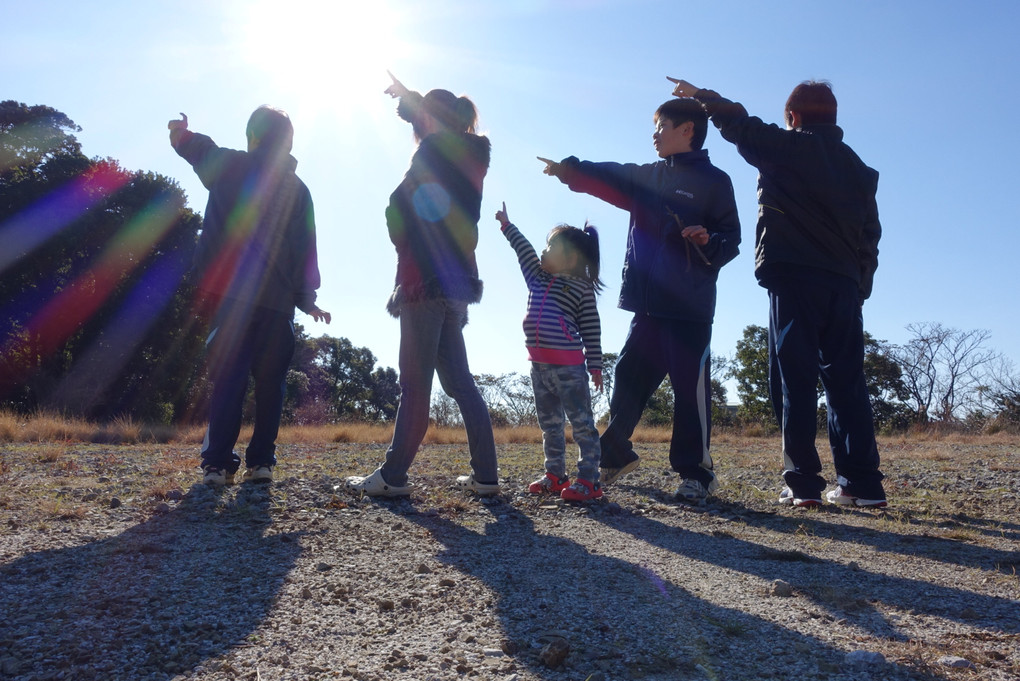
x,y
562,324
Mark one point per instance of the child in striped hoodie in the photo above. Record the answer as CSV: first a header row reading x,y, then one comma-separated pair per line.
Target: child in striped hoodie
x,y
563,334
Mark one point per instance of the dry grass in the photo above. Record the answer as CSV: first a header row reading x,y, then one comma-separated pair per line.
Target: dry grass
x,y
937,443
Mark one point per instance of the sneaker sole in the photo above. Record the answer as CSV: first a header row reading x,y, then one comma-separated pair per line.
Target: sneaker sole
x,y
593,497
794,502
854,502
611,475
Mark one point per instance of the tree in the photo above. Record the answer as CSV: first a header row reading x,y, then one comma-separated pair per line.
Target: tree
x,y
1003,392
510,398
942,370
721,369
658,412
30,136
885,386
751,372
600,400
354,387
95,320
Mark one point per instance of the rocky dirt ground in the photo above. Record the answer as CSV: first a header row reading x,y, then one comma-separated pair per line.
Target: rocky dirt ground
x,y
115,564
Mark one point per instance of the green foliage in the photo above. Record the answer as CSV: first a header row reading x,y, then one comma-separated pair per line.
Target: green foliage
x,y
885,386
751,372
96,319
96,314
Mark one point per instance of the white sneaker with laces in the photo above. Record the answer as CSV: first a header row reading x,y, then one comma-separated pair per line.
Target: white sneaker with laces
x,y
693,491
259,474
217,477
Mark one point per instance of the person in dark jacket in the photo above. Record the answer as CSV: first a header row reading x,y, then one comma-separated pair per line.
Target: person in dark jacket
x,y
254,263
683,229
433,223
816,251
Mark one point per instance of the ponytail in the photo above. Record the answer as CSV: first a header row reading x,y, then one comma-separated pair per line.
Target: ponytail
x,y
586,243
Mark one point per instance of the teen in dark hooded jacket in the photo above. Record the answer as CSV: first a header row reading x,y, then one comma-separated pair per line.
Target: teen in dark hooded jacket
x,y
683,229
816,251
255,262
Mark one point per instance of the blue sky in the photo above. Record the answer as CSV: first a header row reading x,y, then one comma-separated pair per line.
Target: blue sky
x,y
927,93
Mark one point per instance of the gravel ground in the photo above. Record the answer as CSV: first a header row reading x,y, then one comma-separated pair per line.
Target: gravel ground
x,y
115,565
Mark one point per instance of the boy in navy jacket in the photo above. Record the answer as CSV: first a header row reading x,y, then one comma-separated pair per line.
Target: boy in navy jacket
x,y
683,229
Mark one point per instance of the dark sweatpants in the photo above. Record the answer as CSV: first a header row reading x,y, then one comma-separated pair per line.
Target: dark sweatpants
x,y
816,331
258,342
656,348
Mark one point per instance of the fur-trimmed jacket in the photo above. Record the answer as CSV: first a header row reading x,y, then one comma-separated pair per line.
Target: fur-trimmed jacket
x,y
433,220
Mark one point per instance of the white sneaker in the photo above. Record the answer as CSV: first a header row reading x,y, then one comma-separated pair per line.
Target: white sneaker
x,y
610,475
841,498
693,491
374,486
786,498
469,484
259,474
217,477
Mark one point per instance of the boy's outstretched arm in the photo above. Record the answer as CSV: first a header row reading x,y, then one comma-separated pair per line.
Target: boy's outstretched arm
x,y
552,168
682,88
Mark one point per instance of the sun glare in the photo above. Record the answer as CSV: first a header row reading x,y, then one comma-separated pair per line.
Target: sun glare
x,y
320,49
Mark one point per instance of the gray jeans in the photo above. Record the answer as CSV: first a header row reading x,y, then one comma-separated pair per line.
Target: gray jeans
x,y
432,342
563,390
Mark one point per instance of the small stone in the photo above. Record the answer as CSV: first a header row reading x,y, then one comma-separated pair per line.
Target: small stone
x,y
174,495
115,503
386,604
423,569
323,567
509,646
781,589
955,662
162,508
306,593
447,582
554,653
969,613
864,658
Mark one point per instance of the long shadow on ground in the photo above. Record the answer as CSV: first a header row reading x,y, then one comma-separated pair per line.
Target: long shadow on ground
x,y
846,591
529,572
154,601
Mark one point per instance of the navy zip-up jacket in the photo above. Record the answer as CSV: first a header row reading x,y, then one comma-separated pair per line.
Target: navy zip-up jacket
x,y
663,276
258,232
816,198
